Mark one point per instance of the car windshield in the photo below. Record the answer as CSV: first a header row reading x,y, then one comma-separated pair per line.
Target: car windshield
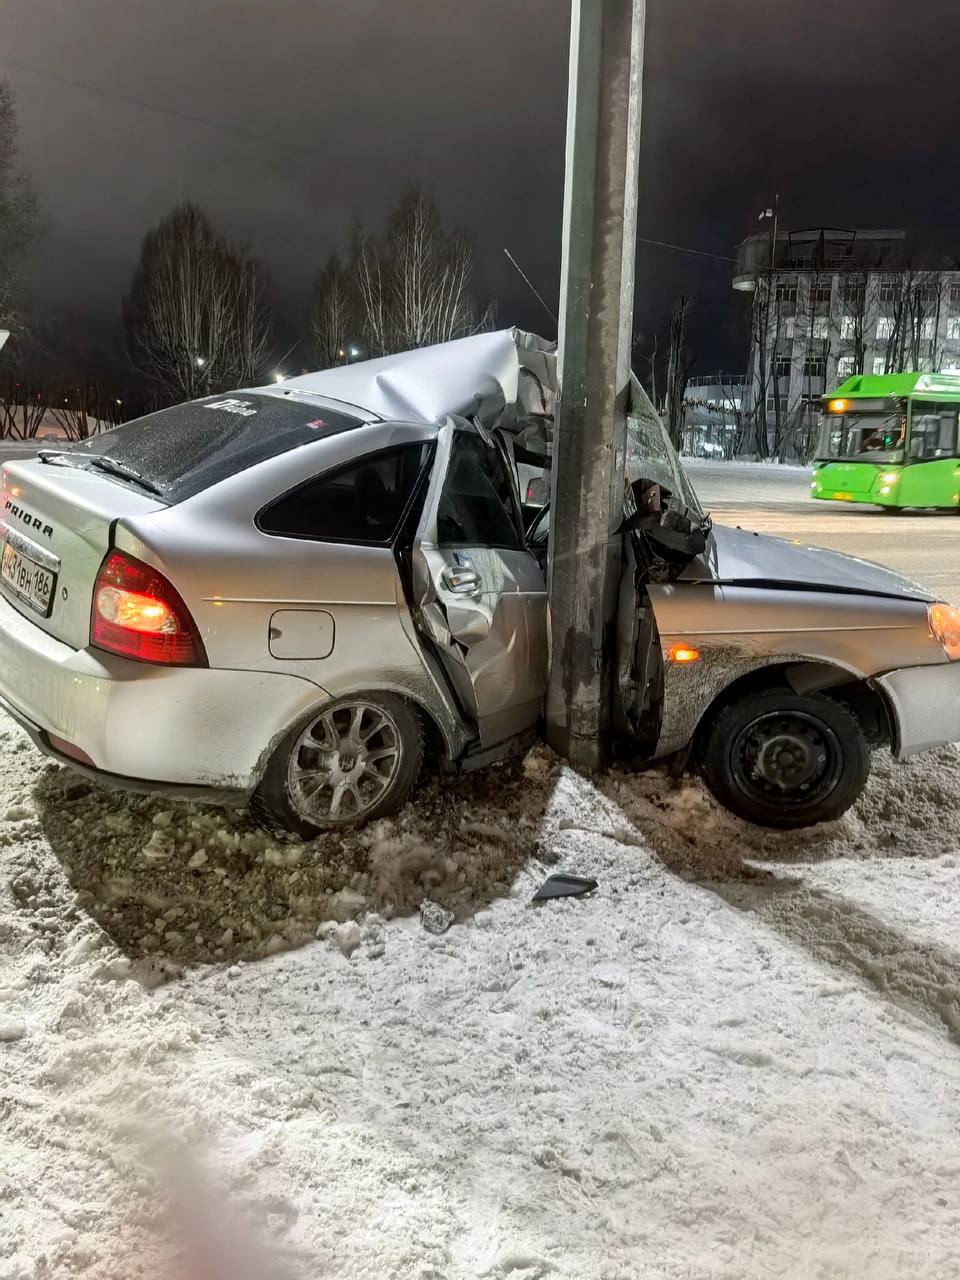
x,y
874,437
179,452
650,456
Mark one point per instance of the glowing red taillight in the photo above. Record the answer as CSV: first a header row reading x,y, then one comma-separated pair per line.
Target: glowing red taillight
x,y
138,614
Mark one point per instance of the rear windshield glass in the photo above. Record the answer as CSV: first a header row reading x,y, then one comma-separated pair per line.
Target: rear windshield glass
x,y
183,450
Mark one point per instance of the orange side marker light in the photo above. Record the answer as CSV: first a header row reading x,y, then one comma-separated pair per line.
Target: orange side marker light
x,y
683,653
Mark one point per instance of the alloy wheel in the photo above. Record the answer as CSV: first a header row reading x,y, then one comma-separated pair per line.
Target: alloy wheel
x,y
344,762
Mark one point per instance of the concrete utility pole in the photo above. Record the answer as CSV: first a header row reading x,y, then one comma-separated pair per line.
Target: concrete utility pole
x,y
596,329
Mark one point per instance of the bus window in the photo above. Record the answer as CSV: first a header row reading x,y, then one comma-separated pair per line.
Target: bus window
x,y
871,436
933,430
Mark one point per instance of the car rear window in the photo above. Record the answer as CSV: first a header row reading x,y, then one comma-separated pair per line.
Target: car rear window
x,y
186,449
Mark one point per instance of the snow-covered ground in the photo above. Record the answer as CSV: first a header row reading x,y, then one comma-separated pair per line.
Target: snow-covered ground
x,y
758,467
740,1057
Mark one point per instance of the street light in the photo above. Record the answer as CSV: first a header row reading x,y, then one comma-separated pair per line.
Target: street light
x,y
201,361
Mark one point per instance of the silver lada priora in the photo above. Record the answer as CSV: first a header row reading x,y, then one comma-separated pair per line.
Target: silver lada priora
x,y
290,595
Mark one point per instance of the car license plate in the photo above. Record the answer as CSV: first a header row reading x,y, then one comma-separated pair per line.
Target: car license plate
x,y
30,581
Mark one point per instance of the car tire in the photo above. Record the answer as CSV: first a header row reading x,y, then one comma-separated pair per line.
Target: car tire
x,y
350,761
781,759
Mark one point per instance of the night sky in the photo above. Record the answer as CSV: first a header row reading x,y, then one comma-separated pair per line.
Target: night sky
x,y
849,108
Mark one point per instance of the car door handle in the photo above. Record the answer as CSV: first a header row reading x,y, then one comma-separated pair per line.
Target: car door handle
x,y
462,581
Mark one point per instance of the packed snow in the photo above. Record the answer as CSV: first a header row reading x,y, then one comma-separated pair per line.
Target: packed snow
x,y
739,1057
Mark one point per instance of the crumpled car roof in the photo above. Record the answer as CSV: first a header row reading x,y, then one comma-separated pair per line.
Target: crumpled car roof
x,y
501,377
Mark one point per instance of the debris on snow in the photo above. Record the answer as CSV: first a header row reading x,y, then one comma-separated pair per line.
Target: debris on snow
x,y
349,937
563,886
434,918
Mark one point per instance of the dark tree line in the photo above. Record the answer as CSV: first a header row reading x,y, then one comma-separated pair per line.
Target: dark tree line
x,y
199,320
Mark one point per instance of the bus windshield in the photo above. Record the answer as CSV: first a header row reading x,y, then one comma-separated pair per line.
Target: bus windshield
x,y
870,437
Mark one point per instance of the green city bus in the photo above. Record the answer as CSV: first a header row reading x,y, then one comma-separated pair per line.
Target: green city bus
x,y
891,440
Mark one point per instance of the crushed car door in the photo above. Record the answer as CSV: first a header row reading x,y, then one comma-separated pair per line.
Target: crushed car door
x,y
480,594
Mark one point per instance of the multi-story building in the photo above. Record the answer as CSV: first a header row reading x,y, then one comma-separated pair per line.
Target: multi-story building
x,y
833,303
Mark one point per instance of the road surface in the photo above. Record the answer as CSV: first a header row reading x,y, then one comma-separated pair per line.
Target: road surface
x,y
924,545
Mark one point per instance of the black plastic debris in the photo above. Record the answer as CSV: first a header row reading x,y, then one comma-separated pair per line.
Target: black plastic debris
x,y
563,887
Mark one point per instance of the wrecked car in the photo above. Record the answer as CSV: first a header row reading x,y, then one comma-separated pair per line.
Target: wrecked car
x,y
288,596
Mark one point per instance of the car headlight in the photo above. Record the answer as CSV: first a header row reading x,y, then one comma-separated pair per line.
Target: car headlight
x,y
945,625
890,478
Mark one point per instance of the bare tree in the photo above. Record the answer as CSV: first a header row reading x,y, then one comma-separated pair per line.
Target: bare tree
x,y
856,316
897,290
679,364
196,314
249,320
18,217
923,311
414,285
333,322
733,404
431,277
769,318
22,406
814,319
85,410
651,360
29,406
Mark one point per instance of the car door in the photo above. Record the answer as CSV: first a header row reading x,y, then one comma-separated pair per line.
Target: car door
x,y
480,595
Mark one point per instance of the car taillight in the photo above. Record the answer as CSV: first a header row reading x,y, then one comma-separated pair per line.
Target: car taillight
x,y
138,614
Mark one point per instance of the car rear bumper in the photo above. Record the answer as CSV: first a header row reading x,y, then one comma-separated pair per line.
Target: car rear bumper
x,y
175,791
926,706
149,727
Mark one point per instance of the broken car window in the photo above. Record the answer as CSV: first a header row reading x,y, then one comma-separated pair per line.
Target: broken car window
x,y
476,505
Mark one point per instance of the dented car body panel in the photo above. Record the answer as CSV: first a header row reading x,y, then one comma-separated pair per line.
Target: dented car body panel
x,y
741,629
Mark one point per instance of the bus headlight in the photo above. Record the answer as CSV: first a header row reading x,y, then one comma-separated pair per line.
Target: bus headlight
x,y
890,478
945,626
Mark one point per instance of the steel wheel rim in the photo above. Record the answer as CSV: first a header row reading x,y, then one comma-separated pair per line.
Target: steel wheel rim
x,y
790,759
344,762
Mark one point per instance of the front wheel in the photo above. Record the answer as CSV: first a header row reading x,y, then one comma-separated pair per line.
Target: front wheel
x,y
354,760
786,760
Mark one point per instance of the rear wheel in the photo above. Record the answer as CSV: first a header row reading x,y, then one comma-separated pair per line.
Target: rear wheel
x,y
786,760
354,760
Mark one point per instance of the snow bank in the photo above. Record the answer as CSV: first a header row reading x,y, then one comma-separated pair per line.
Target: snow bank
x,y
737,1058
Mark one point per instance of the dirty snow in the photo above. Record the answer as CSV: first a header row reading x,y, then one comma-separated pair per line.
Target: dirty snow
x,y
740,1057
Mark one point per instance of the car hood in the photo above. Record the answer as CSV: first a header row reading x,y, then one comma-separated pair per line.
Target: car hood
x,y
737,556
